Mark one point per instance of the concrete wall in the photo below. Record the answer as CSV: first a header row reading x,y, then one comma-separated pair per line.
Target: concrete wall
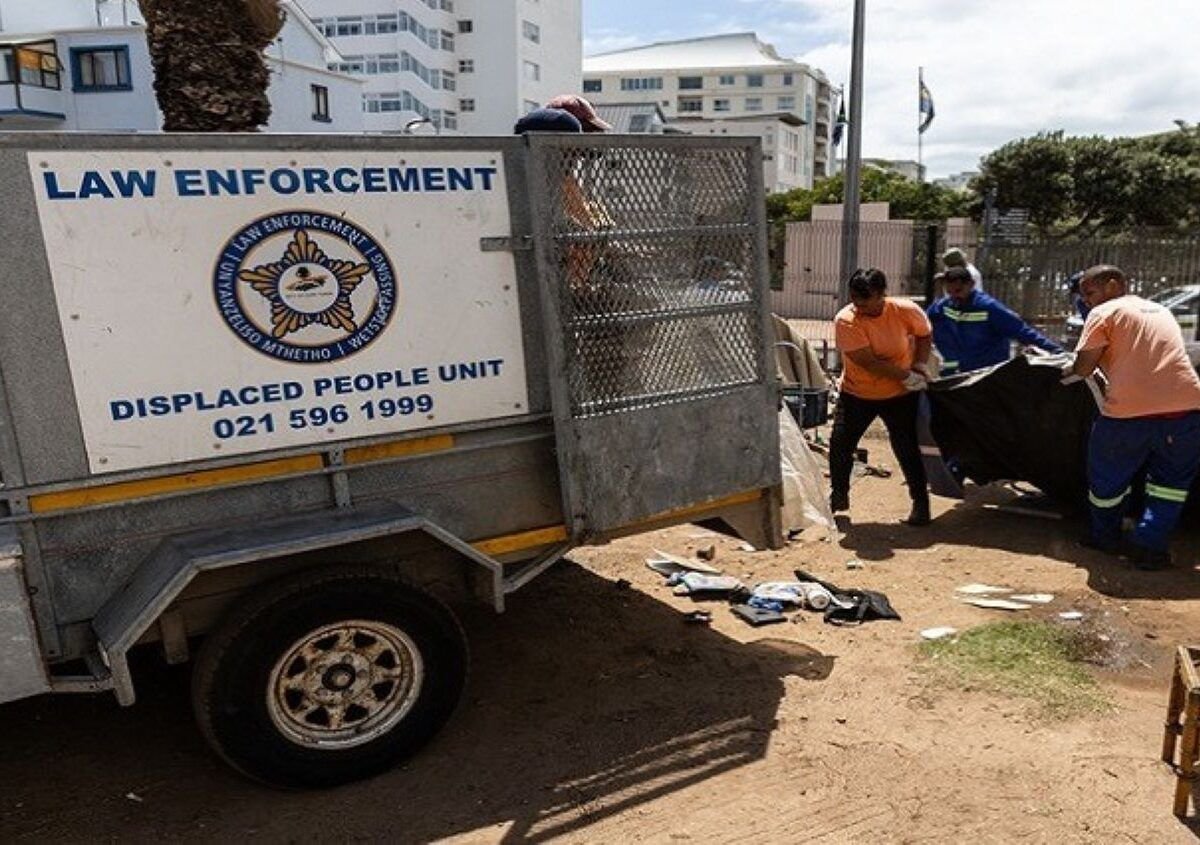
x,y
135,109
292,100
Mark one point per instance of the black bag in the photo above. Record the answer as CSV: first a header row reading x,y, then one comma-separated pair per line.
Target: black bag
x,y
864,605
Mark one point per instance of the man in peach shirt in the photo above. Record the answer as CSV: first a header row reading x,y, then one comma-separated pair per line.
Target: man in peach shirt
x,y
885,343
1150,419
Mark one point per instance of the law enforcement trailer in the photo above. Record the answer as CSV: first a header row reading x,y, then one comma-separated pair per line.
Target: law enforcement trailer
x,y
282,401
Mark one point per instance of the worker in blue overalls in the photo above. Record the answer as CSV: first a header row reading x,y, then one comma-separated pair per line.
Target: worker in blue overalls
x,y
972,330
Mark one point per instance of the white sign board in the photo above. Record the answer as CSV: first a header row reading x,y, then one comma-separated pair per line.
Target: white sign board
x,y
218,303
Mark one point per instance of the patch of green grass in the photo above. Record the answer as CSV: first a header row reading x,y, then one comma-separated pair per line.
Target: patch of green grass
x,y
1032,660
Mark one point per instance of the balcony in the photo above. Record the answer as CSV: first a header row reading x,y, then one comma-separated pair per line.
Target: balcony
x,y
31,94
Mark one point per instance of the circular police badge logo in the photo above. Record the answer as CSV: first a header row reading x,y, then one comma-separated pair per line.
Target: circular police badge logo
x,y
305,287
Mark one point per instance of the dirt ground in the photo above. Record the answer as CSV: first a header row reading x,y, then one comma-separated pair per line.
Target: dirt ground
x,y
594,714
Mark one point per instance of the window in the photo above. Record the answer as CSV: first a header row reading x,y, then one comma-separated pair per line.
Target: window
x,y
721,104
466,65
447,41
447,5
531,31
448,120
691,83
320,95
593,86
449,81
465,27
691,105
755,80
786,103
639,123
754,104
32,67
531,105
642,83
728,79
532,70
100,68
788,79
466,105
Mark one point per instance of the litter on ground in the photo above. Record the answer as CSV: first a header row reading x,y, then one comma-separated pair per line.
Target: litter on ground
x,y
685,562
982,590
1033,598
998,604
939,633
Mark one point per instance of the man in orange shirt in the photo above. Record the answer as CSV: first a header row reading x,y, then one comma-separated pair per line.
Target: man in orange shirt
x,y
885,344
1150,419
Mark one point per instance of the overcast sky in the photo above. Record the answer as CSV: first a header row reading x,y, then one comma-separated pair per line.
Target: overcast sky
x,y
997,69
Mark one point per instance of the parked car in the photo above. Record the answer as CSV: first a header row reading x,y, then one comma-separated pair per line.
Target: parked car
x,y
1183,301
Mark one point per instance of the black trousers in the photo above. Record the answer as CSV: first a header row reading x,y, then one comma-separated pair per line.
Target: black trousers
x,y
854,417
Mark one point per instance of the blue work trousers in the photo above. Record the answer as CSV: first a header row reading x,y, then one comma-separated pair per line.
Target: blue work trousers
x,y
1169,452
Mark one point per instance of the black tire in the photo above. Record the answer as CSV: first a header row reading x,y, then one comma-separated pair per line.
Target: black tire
x,y
240,667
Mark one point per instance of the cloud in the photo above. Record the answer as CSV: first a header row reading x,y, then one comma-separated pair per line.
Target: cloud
x,y
997,70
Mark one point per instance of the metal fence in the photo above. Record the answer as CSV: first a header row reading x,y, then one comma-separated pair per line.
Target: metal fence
x,y
811,272
1031,278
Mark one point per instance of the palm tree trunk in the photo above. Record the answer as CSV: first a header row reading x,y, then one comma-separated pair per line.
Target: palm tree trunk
x,y
209,70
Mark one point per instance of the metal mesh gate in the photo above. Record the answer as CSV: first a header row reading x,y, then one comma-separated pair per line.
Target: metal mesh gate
x,y
652,257
656,255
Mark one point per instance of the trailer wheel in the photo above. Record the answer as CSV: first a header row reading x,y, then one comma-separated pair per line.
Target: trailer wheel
x,y
329,677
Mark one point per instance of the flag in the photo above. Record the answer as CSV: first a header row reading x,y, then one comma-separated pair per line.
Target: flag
x,y
925,108
840,125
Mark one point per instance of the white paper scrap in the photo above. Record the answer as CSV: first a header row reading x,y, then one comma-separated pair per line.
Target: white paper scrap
x,y
982,590
998,604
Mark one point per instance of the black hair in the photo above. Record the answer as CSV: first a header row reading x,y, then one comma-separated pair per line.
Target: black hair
x,y
958,274
1102,273
866,283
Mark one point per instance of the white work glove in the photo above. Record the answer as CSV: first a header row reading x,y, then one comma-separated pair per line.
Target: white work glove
x,y
1068,372
915,381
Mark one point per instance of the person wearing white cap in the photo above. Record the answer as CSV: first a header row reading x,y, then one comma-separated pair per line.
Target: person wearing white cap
x,y
954,257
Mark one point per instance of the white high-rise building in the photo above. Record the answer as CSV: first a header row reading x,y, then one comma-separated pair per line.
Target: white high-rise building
x,y
728,84
471,66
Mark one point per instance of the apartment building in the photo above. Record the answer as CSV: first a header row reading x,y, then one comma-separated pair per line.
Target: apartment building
x,y
80,65
728,84
468,66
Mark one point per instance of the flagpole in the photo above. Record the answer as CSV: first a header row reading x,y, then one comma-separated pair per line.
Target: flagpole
x,y
920,134
850,194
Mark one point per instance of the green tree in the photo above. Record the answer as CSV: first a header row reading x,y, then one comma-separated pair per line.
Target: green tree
x,y
1079,185
209,70
909,200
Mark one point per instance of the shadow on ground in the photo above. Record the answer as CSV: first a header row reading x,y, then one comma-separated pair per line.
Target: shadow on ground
x,y
587,700
970,524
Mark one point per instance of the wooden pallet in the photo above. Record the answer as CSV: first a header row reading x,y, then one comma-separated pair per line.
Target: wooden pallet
x,y
1183,725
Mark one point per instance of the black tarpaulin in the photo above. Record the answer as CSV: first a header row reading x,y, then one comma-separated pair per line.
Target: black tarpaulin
x,y
1017,422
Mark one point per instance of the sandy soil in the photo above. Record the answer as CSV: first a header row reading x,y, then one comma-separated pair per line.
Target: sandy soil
x,y
595,714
